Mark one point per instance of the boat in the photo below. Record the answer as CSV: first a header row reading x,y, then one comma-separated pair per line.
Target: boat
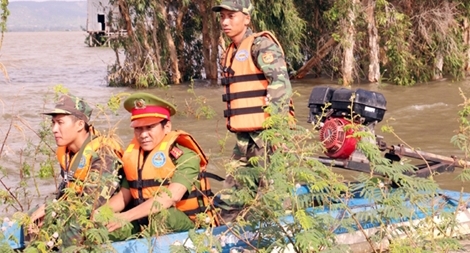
x,y
356,241
354,226
235,239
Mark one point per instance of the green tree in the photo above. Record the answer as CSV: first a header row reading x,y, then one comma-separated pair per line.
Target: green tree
x,y
283,19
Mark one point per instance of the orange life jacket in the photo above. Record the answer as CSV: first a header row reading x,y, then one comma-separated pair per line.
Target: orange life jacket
x,y
245,87
158,169
72,170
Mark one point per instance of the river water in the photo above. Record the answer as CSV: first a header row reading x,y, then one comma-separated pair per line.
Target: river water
x,y
425,116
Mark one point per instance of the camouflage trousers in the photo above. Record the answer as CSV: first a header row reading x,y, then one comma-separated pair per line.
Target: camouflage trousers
x,y
248,145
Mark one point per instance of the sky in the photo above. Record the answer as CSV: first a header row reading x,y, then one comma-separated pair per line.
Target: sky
x,y
47,0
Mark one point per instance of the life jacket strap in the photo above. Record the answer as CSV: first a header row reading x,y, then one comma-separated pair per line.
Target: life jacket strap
x,y
244,94
240,111
243,78
228,70
197,194
206,174
139,184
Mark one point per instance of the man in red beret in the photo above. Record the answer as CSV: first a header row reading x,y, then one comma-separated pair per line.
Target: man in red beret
x,y
164,170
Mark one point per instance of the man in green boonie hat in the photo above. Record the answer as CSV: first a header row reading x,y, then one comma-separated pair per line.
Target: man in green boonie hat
x,y
159,157
254,73
243,6
89,163
72,105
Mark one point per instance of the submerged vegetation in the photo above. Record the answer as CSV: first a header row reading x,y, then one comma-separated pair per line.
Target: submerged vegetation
x,y
289,166
400,42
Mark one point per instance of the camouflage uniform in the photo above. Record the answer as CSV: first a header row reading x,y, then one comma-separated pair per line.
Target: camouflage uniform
x,y
250,144
269,58
105,162
102,175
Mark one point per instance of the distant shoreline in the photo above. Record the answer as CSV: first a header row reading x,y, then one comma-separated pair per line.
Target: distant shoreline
x,y
47,16
45,30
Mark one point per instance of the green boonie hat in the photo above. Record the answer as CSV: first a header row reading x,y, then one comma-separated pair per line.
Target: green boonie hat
x,y
244,6
147,109
72,105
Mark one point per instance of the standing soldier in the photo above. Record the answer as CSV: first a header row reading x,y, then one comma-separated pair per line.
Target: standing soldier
x,y
254,76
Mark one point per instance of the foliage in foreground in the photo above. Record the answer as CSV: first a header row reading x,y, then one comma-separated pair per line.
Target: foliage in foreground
x,y
314,229
291,165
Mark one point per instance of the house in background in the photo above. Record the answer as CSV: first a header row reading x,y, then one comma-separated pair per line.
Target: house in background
x,y
101,17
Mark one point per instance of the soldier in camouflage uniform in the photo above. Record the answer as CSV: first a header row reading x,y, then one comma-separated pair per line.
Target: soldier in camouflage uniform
x,y
89,163
268,58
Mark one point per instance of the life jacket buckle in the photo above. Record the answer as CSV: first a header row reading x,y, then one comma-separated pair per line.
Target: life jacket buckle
x,y
227,113
225,81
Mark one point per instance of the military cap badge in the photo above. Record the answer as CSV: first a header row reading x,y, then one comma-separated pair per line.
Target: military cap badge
x,y
139,104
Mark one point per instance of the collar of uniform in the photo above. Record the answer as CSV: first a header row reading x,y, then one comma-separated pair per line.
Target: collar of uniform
x,y
248,32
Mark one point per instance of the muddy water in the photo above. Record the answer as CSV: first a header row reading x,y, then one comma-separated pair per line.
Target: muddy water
x,y
424,116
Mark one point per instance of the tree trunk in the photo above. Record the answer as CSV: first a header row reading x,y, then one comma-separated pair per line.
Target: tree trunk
x,y
321,53
156,44
349,36
175,72
466,37
210,38
179,32
222,49
124,10
374,66
215,36
438,64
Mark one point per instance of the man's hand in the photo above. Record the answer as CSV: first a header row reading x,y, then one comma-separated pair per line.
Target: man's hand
x,y
37,220
118,221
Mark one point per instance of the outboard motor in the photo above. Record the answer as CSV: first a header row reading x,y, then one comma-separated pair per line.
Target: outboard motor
x,y
319,104
334,135
339,113
334,109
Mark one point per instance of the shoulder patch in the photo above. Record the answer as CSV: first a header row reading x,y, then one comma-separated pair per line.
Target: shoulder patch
x,y
176,152
268,57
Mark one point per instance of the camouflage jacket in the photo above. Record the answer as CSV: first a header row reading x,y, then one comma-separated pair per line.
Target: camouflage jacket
x,y
275,71
279,87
